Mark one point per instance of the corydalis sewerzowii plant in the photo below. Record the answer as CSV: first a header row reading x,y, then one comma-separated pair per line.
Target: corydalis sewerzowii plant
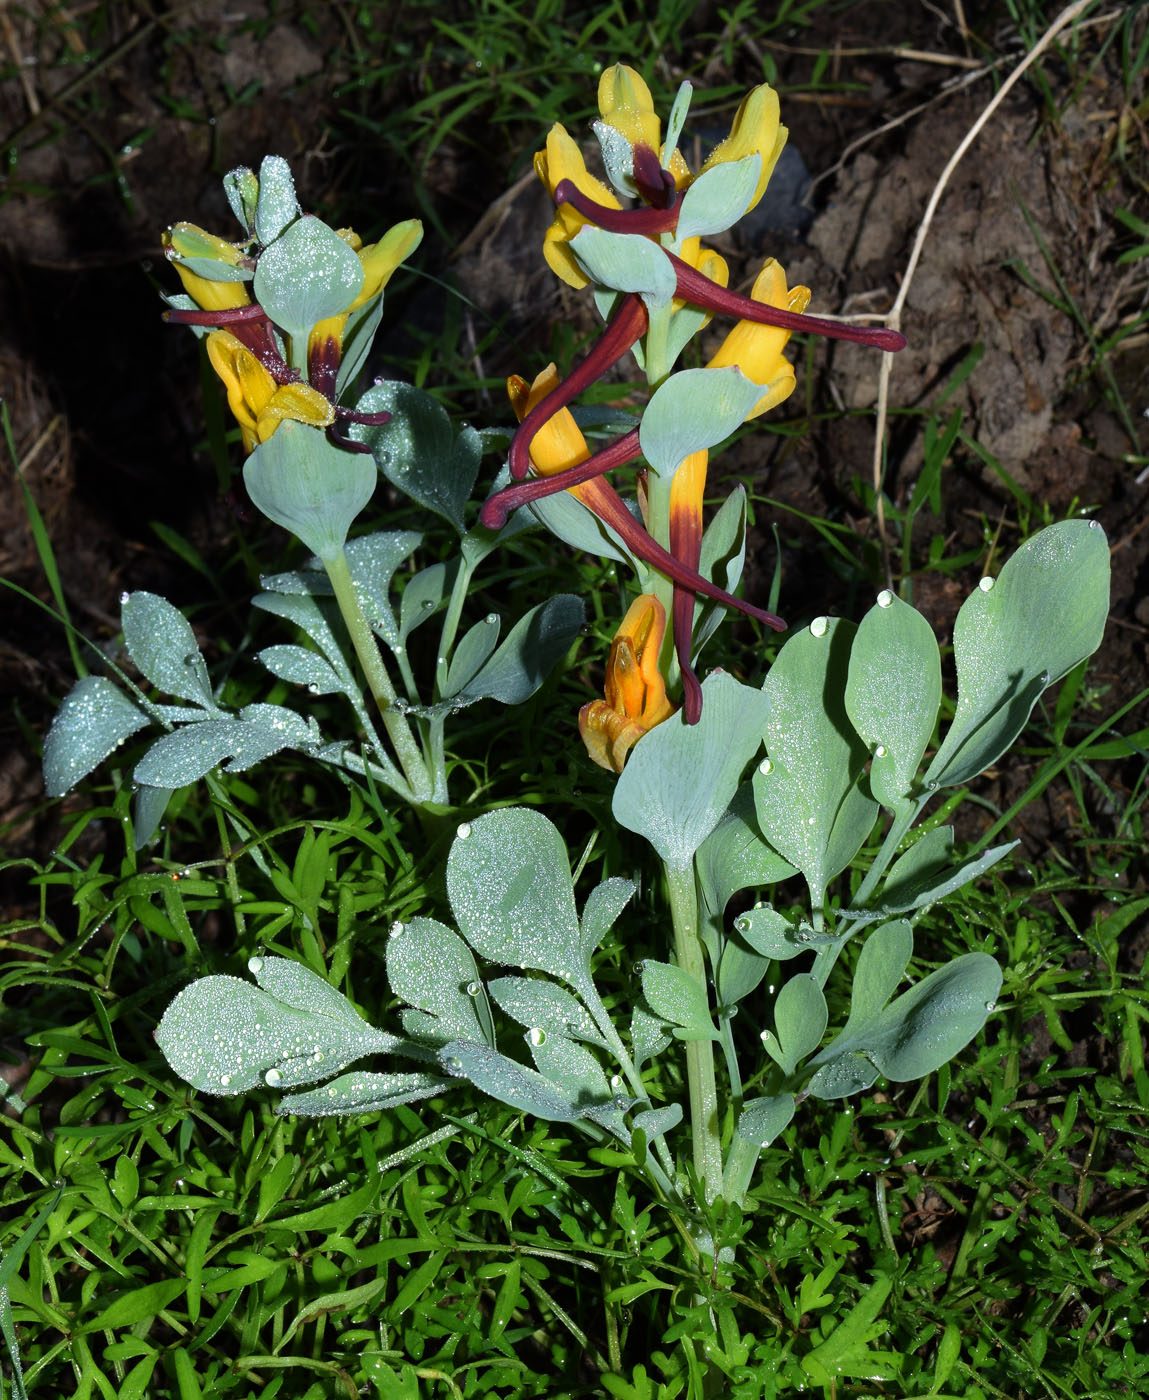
x,y
289,313
659,285
846,716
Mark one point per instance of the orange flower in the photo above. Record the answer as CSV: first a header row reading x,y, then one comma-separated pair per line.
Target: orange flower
x,y
635,688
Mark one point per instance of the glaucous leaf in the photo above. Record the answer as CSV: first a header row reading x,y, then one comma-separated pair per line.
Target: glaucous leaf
x,y
418,451
94,719
532,1001
510,889
472,649
771,934
314,489
740,970
809,801
225,1036
1017,634
907,889
307,275
570,1067
762,1120
164,649
570,521
364,1091
528,653
680,778
314,618
719,197
735,857
649,1036
893,691
692,410
508,1081
276,205
920,1030
373,560
677,998
424,595
148,807
800,1017
625,263
193,750
603,906
432,969
302,667
242,190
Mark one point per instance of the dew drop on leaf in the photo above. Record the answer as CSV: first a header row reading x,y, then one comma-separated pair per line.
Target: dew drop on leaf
x,y
464,830
272,1077
985,584
396,929
537,1036
819,626
885,600
473,989
765,768
255,966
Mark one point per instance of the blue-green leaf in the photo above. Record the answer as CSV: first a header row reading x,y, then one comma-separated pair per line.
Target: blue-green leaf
x,y
164,649
93,720
307,275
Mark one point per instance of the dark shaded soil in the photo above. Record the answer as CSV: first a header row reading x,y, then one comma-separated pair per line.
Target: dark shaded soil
x,y
102,397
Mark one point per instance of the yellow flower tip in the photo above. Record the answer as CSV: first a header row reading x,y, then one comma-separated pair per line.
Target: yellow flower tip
x,y
350,237
757,349
189,241
258,404
381,259
756,127
635,689
563,160
625,103
558,444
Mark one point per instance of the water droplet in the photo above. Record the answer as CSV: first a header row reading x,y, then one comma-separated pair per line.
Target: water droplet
x,y
1095,525
427,604
991,1006
473,989
313,688
255,966
616,1081
932,785
639,968
463,830
812,821
491,619
536,1036
742,924
765,768
272,1077
124,598
454,1065
985,584
225,1080
819,626
1044,678
731,1012
885,600
396,929
880,751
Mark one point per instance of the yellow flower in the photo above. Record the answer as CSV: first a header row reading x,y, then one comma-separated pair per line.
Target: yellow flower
x,y
625,103
560,444
756,348
257,401
562,160
635,688
756,127
185,240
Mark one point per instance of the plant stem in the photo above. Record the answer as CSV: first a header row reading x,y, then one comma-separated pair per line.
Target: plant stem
x,y
378,681
688,952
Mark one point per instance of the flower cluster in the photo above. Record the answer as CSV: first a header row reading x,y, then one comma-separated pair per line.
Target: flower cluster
x,y
282,352
659,285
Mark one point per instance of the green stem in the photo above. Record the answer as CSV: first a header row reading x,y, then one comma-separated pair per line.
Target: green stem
x,y
378,681
688,952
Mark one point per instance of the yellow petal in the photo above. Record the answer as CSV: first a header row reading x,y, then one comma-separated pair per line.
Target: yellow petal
x,y
381,259
687,487
189,241
563,160
249,386
756,127
625,103
558,444
757,349
299,402
635,689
